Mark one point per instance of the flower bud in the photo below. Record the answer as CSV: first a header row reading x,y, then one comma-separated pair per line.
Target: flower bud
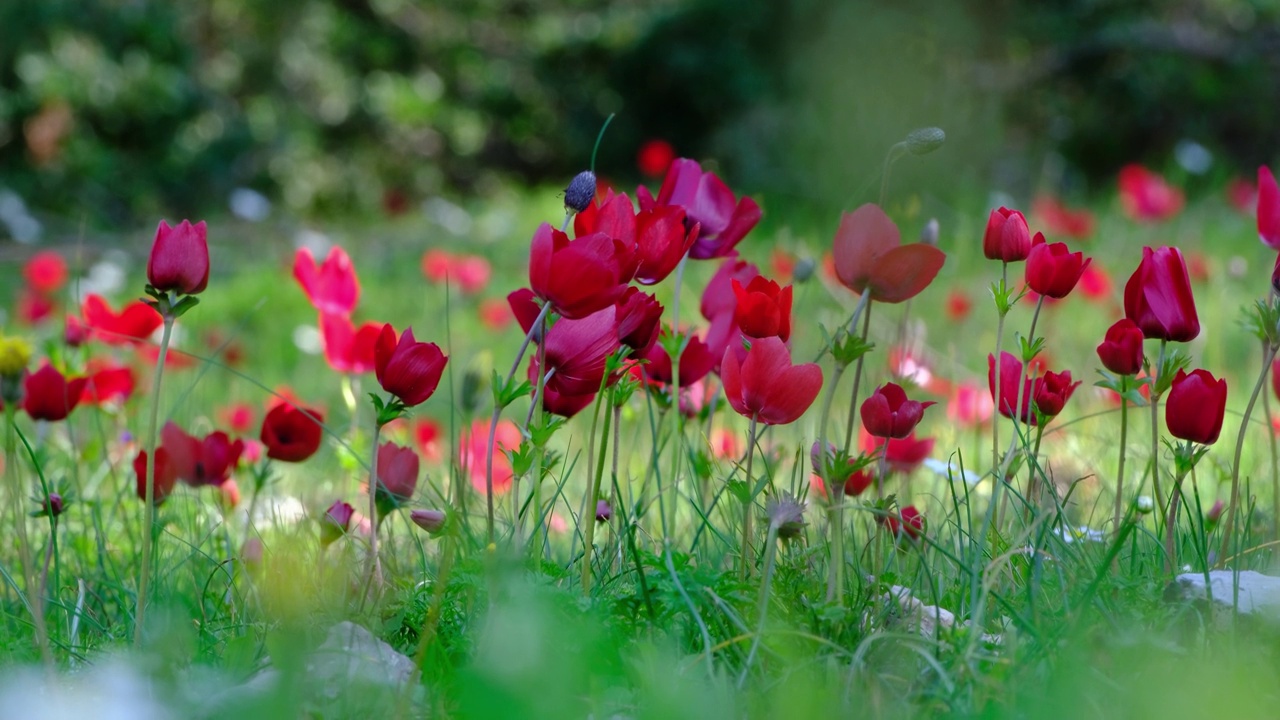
x,y
803,269
581,191
923,141
433,521
929,233
604,512
786,515
1145,505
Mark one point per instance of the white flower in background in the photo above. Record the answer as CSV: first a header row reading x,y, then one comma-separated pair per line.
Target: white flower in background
x,y
105,277
307,339
1083,532
952,470
317,242
1193,157
21,226
249,205
453,218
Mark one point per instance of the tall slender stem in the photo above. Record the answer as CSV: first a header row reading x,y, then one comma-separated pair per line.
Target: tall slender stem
x,y
1275,455
747,555
1124,439
857,380
588,514
770,556
373,567
1155,428
678,417
995,416
34,597
149,504
1171,524
1235,463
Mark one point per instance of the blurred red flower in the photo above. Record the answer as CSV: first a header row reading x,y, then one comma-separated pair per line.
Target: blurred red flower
x,y
1060,220
45,272
654,157
291,433
331,287
48,395
201,461
708,202
135,321
1146,197
869,258
347,349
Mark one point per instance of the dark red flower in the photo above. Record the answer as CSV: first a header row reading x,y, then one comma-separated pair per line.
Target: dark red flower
x,y
331,287
578,277
1146,197
1195,406
179,260
696,361
577,352
655,157
1158,297
638,320
408,369
853,482
763,308
45,272
766,386
869,258
658,235
908,521
336,522
165,479
718,298
1052,269
1268,208
1058,219
110,384
1121,349
75,333
135,322
1015,387
347,349
397,476
1052,391
1007,237
199,462
290,433
560,404
48,395
708,202
887,413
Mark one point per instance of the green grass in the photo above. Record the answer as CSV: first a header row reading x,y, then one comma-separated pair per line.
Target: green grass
x,y
1085,628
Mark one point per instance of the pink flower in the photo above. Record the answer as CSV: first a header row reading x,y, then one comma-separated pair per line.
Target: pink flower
x,y
331,287
179,259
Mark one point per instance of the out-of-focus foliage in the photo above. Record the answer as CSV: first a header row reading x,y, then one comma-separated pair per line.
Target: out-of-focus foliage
x,y
117,109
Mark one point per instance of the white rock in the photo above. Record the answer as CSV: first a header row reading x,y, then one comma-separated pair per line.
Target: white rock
x,y
1259,594
110,691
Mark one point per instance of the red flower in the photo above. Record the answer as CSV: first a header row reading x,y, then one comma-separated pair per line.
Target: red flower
x,y
1275,376
696,361
718,298
1053,390
237,417
1052,269
136,321
45,272
958,305
869,258
638,320
1014,384
1158,297
908,521
1268,209
347,349
48,395
336,522
763,308
654,157
179,258
766,386
1242,194
708,202
1058,219
854,482
1195,406
165,476
408,369
969,406
397,475
112,384
32,307
1121,349
782,264
426,436
577,351
472,453
581,276
902,455
75,333
290,433
887,413
495,313
199,462
558,403
436,265
1095,283
331,287
1146,197
658,235
472,273
1007,237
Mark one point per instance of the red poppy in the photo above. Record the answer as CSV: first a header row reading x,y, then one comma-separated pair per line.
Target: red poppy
x,y
654,157
408,369
347,349
578,277
1158,297
135,321
331,287
888,413
1007,237
766,386
1058,219
969,405
1053,270
48,395
108,385
639,318
659,235
397,476
1268,208
708,202
165,478
179,260
201,461
868,257
290,433
45,272
763,308
1146,197
696,361
472,453
1195,406
1121,349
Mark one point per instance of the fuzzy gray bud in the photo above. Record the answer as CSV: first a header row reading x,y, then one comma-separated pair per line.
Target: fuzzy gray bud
x,y
929,234
923,141
804,269
786,514
581,191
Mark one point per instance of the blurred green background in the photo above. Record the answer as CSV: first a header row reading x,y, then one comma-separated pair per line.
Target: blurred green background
x,y
116,110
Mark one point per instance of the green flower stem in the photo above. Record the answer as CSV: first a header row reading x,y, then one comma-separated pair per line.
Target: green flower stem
x,y
857,379
1171,524
34,600
770,557
588,514
149,504
373,567
669,518
1124,439
1235,463
1155,430
995,416
744,571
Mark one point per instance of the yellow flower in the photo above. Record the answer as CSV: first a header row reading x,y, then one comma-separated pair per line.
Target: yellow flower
x,y
15,355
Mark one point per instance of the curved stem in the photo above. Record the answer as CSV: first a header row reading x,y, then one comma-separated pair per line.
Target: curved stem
x,y
1124,439
1235,463
34,598
1171,523
149,504
588,514
857,380
770,556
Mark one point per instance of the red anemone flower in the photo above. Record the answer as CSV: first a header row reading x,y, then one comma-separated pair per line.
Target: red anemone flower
x,y
165,478
578,277
577,351
1053,270
659,235
887,413
1268,209
290,433
639,318
655,157
472,452
763,308
347,349
48,395
135,321
1146,197
201,461
766,386
868,257
708,202
179,259
696,361
1058,219
1195,407
1158,297
397,476
1007,237
108,385
331,287
901,455
408,369
45,272
1121,349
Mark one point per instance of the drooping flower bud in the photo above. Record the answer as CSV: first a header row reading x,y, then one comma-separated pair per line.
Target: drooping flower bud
x,y
923,141
581,191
